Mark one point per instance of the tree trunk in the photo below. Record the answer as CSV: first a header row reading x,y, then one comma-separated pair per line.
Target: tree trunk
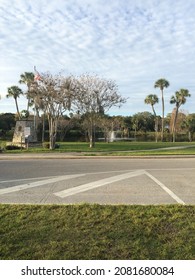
x,y
91,137
28,98
28,104
91,142
52,133
190,136
156,129
18,112
135,134
174,124
156,124
163,112
43,128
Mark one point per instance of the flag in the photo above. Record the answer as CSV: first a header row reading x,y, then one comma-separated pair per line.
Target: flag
x,y
37,76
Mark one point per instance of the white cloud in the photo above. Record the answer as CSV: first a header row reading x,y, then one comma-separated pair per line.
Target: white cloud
x,y
133,42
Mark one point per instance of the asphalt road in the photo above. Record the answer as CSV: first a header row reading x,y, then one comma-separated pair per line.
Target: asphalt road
x,y
104,181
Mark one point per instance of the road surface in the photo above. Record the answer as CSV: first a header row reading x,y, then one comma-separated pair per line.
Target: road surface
x,y
104,181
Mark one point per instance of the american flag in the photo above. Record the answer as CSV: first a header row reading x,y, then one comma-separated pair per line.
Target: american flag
x,y
37,76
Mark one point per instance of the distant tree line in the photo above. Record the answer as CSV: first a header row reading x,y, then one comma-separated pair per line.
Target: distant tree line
x,y
138,127
75,108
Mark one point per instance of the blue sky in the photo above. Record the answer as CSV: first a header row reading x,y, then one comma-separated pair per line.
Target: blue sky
x,y
134,42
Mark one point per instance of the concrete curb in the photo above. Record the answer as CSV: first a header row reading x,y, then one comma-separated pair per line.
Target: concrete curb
x,y
74,156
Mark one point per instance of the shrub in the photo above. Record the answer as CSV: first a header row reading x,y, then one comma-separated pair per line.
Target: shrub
x,y
46,146
12,147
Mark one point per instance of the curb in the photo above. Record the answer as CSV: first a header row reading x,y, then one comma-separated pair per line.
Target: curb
x,y
61,156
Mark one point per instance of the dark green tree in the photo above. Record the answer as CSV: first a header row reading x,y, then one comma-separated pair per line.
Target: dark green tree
x,y
178,99
189,123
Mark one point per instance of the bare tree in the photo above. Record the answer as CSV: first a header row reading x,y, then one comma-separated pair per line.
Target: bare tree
x,y
93,97
53,94
106,124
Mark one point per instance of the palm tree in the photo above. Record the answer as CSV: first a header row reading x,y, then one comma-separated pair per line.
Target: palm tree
x,y
162,83
178,99
15,92
27,78
152,99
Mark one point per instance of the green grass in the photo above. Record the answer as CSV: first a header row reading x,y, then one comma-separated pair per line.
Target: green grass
x,y
97,232
186,151
116,147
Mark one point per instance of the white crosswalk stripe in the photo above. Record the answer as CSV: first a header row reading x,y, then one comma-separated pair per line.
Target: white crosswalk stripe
x,y
38,183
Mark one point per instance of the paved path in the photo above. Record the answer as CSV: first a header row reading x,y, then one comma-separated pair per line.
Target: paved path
x,y
104,181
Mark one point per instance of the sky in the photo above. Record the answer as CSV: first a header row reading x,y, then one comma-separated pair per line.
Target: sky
x,y
133,42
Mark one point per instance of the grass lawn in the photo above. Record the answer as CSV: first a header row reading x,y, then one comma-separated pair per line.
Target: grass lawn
x,y
97,232
134,148
185,151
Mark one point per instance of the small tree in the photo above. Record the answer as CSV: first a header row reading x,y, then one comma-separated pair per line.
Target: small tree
x,y
64,125
189,123
110,124
53,93
178,99
93,97
142,121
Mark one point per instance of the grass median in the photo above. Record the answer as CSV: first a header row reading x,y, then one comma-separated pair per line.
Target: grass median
x,y
97,232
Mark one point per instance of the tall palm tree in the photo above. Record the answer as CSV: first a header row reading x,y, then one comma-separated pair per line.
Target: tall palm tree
x,y
152,99
15,92
27,78
162,83
178,99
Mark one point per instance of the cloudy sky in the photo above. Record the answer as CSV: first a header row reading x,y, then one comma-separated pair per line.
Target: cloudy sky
x,y
134,42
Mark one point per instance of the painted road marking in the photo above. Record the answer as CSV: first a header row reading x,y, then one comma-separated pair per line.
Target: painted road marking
x,y
101,172
99,183
38,183
88,186
174,196
27,179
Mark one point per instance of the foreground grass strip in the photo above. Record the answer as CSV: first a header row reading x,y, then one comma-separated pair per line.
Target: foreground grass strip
x,y
97,232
